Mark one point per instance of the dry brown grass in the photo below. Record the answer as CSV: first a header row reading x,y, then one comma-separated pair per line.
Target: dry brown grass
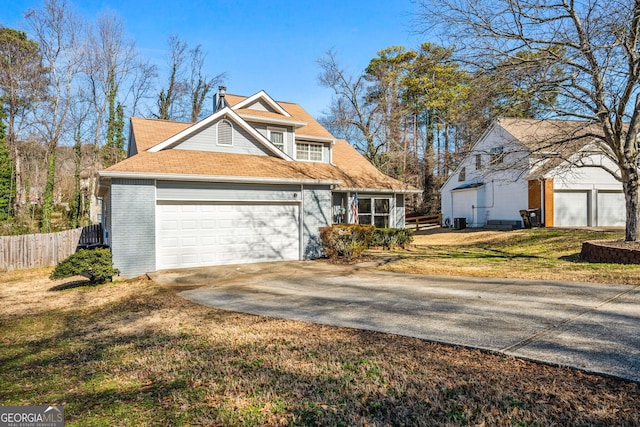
x,y
135,353
538,254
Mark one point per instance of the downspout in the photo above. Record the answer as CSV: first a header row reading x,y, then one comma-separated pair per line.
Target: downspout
x,y
452,213
301,227
543,207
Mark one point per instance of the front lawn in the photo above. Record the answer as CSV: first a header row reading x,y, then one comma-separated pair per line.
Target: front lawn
x,y
135,353
538,254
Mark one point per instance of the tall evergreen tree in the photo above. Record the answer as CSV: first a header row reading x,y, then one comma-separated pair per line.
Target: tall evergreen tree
x,y
7,190
113,150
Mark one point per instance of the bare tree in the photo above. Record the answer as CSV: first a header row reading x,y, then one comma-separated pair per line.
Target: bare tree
x,y
351,116
167,100
22,79
594,42
141,85
200,85
114,75
58,33
109,63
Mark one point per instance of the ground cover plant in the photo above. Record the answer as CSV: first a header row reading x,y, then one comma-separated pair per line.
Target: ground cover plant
x,y
537,254
135,353
96,264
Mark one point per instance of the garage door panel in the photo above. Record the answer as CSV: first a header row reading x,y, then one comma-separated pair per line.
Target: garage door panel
x,y
189,224
571,208
611,208
200,234
169,225
208,224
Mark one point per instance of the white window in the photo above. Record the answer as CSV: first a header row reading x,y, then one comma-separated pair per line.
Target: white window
x,y
478,162
225,132
462,176
310,152
276,136
374,211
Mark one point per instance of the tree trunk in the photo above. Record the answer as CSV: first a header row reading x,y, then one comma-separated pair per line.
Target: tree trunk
x,y
630,186
47,206
77,196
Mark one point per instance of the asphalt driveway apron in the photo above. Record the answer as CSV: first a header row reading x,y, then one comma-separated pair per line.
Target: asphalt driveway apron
x,y
593,327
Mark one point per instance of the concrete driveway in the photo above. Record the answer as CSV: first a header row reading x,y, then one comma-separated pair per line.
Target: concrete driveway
x,y
592,327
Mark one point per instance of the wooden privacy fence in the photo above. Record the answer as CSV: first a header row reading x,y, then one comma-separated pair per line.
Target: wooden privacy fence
x,y
37,250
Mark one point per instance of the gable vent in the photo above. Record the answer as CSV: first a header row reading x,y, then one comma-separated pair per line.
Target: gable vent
x,y
225,133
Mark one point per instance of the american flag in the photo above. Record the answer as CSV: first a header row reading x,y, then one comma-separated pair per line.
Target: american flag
x,y
354,209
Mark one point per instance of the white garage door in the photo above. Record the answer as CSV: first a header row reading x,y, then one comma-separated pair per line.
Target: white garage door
x,y
462,202
611,208
571,208
202,234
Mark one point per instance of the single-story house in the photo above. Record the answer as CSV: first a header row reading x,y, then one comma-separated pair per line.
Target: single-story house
x,y
553,168
252,182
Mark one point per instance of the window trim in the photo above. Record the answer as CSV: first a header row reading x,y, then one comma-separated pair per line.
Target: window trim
x,y
373,214
308,151
283,131
462,175
218,133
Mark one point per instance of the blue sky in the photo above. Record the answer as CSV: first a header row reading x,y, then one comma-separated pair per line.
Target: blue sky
x,y
271,45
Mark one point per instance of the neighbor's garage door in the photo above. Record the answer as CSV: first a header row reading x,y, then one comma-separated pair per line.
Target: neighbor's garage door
x,y
611,208
571,208
202,234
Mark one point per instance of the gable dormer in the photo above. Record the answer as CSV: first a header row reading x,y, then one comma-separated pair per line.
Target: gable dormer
x,y
287,126
261,101
223,131
255,125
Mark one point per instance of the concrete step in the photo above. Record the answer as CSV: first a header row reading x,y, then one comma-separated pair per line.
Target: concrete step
x,y
503,224
513,222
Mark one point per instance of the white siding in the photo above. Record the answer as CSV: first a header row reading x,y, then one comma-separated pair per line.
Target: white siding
x,y
505,189
504,192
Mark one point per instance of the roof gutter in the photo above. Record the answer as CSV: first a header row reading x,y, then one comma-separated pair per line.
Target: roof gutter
x,y
315,138
215,178
272,120
379,190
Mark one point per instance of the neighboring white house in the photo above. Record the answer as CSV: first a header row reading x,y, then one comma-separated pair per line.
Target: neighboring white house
x,y
254,181
528,164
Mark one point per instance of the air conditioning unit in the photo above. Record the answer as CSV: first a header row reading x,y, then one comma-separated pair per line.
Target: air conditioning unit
x,y
459,223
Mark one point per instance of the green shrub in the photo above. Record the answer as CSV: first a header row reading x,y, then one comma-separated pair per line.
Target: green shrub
x,y
96,264
346,241
392,237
